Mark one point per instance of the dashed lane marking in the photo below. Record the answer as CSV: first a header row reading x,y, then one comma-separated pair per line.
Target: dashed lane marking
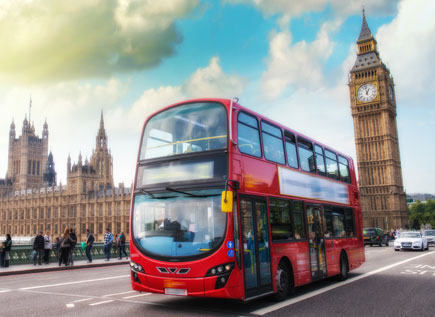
x,y
108,295
145,294
297,299
83,300
76,282
99,303
70,305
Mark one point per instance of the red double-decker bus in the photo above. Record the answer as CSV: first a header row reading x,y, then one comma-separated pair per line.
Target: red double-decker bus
x,y
230,204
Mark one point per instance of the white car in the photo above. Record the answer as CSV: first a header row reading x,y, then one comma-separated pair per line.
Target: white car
x,y
411,241
429,235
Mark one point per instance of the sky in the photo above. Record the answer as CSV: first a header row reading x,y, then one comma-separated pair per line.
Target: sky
x,y
287,60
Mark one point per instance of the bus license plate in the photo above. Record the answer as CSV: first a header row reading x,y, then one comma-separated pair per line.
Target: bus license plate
x,y
176,291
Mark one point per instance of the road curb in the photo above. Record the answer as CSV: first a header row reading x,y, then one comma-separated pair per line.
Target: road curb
x,y
61,268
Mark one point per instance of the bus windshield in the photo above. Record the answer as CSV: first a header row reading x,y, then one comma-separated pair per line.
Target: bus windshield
x,y
187,128
178,224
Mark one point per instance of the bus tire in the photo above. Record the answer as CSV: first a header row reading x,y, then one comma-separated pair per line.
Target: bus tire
x,y
284,282
344,267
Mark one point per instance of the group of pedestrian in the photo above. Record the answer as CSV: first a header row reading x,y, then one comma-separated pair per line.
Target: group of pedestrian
x,y
119,244
5,248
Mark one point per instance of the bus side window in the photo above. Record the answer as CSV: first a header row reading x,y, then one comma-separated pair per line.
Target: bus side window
x,y
290,146
338,222
306,156
280,220
343,166
331,164
320,160
299,222
349,223
272,143
328,222
248,135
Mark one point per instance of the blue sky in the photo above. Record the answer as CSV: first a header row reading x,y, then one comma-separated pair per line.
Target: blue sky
x,y
288,60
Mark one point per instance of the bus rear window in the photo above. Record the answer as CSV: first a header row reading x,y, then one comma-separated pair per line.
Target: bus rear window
x,y
187,128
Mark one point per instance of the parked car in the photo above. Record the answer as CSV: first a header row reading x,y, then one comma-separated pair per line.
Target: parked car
x,y
411,241
429,235
375,236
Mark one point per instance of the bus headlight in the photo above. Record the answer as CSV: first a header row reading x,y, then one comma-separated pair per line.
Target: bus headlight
x,y
136,267
220,269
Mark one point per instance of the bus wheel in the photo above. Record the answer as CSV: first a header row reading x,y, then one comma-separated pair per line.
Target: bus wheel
x,y
344,268
283,282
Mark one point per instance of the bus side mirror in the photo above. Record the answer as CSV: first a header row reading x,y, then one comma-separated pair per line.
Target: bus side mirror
x,y
227,201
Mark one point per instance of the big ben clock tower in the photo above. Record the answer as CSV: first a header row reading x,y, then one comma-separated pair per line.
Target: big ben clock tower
x,y
373,106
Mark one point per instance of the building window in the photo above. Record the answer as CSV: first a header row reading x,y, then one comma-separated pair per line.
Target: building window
x,y
100,228
37,168
29,167
109,209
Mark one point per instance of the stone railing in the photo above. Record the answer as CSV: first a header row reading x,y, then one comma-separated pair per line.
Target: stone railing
x,y
21,254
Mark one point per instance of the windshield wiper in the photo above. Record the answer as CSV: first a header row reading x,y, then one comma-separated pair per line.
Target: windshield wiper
x,y
187,193
143,191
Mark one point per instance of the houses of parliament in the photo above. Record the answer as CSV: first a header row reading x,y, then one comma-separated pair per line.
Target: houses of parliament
x,y
31,200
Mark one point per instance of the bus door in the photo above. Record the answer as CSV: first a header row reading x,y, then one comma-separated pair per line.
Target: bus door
x,y
255,246
316,241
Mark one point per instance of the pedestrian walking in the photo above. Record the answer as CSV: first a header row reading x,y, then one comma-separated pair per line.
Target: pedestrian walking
x,y
73,238
48,245
4,255
38,246
89,242
57,245
121,247
108,240
65,248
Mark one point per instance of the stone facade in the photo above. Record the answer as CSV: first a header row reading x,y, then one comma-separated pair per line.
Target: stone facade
x,y
32,201
373,107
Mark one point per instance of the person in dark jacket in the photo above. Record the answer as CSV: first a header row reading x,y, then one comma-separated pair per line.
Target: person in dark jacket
x,y
38,246
4,256
73,238
89,242
121,246
65,247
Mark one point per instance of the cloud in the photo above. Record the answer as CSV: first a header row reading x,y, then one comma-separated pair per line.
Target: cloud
x,y
405,45
48,40
297,8
297,65
208,82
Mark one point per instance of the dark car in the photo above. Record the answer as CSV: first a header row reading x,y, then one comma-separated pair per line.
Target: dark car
x,y
375,236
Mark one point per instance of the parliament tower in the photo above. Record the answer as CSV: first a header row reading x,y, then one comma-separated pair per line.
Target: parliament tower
x,y
373,107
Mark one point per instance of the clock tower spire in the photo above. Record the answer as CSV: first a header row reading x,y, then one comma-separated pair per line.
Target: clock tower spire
x,y
373,107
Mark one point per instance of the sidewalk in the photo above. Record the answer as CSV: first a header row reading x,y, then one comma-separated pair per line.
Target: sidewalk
x,y
53,266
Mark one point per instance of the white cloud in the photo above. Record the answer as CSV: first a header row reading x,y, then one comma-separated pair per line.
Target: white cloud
x,y
297,65
208,82
78,39
407,44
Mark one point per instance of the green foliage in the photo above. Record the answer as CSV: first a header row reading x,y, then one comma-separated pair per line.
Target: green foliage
x,y
422,213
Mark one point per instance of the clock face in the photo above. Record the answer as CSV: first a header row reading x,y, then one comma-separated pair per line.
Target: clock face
x,y
390,92
367,92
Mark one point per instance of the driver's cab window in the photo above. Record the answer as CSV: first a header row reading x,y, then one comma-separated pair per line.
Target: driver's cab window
x,y
248,135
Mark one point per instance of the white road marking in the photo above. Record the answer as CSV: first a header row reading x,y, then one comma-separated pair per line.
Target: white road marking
x,y
145,294
70,305
297,299
76,282
83,300
99,303
5,291
119,293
